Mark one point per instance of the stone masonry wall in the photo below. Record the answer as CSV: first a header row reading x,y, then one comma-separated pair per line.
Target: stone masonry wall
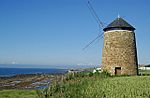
x,y
120,51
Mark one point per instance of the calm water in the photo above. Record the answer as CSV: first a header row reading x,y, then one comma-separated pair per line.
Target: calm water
x,y
15,71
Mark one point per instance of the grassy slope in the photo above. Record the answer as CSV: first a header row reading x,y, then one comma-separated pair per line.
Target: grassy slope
x,y
145,72
18,94
93,87
112,87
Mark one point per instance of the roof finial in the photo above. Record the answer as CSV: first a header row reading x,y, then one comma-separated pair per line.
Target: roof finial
x,y
118,15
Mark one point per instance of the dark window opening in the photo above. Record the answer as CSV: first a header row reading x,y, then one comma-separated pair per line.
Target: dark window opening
x,y
117,70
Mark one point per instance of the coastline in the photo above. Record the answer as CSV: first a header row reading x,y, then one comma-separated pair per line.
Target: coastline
x,y
35,80
28,81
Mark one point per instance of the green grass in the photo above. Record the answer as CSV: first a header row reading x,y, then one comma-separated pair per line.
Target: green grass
x,y
18,94
110,87
85,85
144,72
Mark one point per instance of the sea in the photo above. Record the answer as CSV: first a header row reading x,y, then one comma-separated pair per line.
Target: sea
x,y
7,72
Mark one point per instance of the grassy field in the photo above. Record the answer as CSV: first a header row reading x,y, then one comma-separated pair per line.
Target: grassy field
x,y
144,72
18,94
90,86
110,87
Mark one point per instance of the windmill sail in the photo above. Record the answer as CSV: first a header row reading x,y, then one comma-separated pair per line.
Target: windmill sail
x,y
99,36
94,14
100,23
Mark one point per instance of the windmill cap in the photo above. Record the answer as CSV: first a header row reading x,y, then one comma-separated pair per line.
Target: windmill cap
x,y
119,24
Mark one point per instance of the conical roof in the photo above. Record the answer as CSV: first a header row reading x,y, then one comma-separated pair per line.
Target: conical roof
x,y
119,24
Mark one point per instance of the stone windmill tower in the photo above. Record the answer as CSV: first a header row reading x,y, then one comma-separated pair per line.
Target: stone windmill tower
x,y
119,50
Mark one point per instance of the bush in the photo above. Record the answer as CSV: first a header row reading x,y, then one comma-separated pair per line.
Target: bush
x,y
105,74
90,74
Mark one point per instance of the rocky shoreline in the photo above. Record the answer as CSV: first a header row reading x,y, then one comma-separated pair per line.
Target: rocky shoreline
x,y
27,81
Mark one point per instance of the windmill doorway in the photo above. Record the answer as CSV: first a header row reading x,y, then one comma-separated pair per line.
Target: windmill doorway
x,y
117,70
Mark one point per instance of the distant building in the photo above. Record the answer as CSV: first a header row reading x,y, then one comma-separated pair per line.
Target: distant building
x,y
146,67
97,70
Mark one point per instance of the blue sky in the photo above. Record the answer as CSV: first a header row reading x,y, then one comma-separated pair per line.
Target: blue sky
x,y
53,32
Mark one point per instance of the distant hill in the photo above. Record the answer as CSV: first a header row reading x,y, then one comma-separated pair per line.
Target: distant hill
x,y
143,65
147,65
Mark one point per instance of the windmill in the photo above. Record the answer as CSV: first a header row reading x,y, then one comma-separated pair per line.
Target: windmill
x,y
119,49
